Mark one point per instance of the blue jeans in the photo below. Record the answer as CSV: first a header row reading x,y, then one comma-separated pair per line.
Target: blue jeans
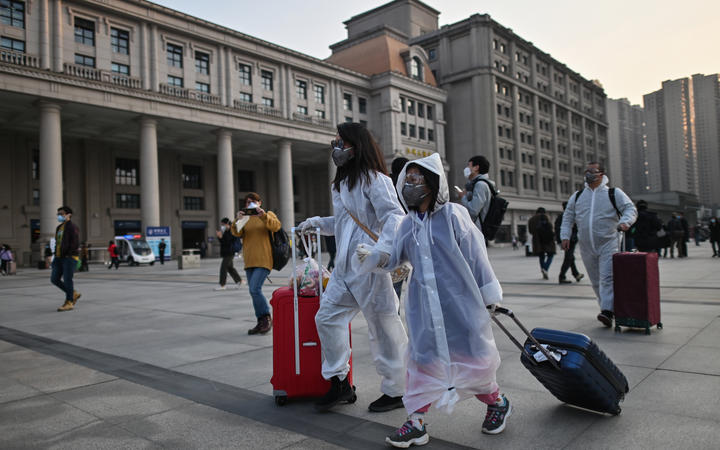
x,y
256,278
62,275
545,260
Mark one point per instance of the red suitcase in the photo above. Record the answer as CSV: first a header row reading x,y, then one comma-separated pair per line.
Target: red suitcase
x,y
297,357
636,283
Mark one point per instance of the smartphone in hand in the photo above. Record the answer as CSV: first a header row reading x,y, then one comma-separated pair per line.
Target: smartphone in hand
x,y
250,211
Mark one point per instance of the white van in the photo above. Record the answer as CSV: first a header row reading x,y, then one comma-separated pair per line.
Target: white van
x,y
134,249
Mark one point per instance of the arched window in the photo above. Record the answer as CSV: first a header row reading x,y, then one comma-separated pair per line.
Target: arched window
x,y
416,69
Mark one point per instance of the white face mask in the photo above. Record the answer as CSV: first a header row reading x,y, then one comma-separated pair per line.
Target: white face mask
x,y
467,172
252,205
223,228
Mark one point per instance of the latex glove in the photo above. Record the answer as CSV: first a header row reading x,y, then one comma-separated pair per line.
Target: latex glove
x,y
491,308
369,259
309,224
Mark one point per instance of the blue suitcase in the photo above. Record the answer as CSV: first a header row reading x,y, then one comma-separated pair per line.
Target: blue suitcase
x,y
571,366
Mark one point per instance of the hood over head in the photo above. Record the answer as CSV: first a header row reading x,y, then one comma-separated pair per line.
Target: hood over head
x,y
434,164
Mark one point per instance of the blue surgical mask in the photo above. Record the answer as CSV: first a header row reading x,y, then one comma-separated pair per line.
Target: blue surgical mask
x,y
61,218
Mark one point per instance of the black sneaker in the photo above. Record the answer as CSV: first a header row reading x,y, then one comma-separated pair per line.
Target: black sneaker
x,y
564,281
496,417
340,391
407,435
606,317
386,403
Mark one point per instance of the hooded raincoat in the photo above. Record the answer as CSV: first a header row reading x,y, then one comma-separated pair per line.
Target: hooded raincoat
x,y
452,352
597,222
375,204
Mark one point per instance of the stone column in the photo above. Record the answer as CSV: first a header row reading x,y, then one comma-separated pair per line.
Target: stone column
x,y
45,61
149,180
285,184
57,38
225,187
51,182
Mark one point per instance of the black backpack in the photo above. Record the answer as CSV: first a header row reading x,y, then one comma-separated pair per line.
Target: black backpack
x,y
280,245
545,231
495,212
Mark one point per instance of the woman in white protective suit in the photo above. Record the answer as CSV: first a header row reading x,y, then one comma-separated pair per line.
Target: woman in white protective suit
x,y
452,352
360,189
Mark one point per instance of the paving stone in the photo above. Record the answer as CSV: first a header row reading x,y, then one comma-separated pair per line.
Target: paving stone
x,y
695,358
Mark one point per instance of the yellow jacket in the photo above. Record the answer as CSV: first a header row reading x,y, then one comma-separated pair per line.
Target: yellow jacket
x,y
256,240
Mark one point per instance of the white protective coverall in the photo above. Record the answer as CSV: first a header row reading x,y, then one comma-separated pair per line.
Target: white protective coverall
x,y
597,223
375,205
452,352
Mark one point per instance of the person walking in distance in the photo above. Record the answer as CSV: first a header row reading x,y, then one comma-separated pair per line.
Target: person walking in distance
x,y
161,249
362,193
477,194
569,258
714,227
67,240
599,212
677,235
543,240
114,260
253,224
227,254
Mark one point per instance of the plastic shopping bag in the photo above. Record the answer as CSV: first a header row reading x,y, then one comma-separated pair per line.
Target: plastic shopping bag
x,y
307,275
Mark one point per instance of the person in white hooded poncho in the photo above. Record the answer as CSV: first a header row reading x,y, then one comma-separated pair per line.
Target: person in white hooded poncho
x,y
452,351
360,189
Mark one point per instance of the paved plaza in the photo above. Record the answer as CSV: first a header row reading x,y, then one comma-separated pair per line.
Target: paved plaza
x,y
152,357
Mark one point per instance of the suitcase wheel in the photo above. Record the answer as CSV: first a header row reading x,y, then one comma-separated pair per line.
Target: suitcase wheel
x,y
659,325
617,411
353,399
617,328
647,330
281,400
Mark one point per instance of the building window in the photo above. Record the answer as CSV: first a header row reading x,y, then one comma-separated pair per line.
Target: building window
x,y
403,128
82,60
267,80
36,164
348,119
402,104
36,197
432,54
126,171
127,201
246,181
202,87
362,105
301,89
412,130
202,63
302,110
12,13
120,41
421,109
268,102
421,133
192,177
193,203
416,69
174,55
364,123
431,135
84,31
12,44
429,112
319,94
319,113
122,69
245,74
347,102
411,107
245,97
175,81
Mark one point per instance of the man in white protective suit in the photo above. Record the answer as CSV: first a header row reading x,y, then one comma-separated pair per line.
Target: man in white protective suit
x,y
599,212
360,189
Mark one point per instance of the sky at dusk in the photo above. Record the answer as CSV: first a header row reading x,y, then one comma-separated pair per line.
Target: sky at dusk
x,y
631,46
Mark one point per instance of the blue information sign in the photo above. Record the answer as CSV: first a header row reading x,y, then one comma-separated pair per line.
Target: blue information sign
x,y
153,236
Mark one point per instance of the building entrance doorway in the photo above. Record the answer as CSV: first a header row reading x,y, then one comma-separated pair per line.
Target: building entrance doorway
x,y
194,236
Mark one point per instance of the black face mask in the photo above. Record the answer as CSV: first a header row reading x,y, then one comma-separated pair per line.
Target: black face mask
x,y
340,155
414,194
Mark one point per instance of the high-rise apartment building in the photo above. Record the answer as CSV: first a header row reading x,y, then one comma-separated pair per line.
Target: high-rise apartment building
x,y
706,95
670,129
626,151
536,120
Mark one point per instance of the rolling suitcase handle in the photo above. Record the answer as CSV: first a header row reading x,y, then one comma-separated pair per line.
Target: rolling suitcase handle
x,y
295,232
543,350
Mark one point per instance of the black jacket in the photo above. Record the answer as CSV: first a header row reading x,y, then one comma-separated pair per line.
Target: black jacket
x,y
715,231
226,243
70,240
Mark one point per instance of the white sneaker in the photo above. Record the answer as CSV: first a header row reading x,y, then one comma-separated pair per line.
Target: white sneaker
x,y
240,283
220,288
